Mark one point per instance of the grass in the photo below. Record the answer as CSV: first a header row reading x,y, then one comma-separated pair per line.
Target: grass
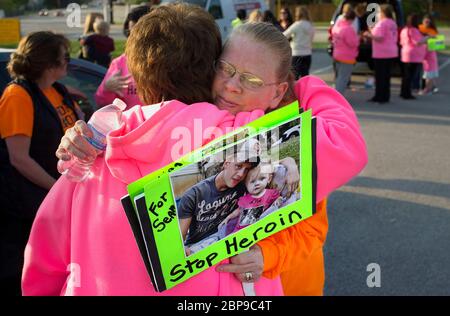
x,y
119,44
9,45
320,45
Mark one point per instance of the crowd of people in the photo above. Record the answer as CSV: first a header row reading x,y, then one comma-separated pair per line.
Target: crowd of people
x,y
388,44
83,223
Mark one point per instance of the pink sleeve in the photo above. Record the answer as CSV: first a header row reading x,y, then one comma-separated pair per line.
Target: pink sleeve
x,y
341,150
416,37
102,96
47,254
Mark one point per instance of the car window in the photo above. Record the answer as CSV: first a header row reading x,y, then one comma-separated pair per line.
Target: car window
x,y
83,80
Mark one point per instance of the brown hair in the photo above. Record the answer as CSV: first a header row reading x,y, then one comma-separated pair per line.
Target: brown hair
x,y
37,52
350,14
268,35
90,20
387,10
171,53
412,21
302,13
432,23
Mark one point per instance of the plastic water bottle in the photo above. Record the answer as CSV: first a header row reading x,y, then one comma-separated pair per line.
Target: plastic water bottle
x,y
103,121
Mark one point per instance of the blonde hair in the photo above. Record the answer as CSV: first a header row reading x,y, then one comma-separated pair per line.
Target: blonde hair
x,y
91,18
346,8
101,27
268,35
255,16
302,13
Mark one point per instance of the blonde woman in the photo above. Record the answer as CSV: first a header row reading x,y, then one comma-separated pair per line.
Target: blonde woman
x,y
255,16
88,29
301,34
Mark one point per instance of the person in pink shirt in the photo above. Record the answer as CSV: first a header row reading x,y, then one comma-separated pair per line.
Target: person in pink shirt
x,y
118,82
384,37
413,53
345,43
74,224
430,63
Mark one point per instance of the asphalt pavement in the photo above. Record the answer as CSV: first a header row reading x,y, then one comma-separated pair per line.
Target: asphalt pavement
x,y
396,213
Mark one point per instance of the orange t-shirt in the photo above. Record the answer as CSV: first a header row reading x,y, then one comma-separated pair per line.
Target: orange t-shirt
x,y
17,111
296,254
427,30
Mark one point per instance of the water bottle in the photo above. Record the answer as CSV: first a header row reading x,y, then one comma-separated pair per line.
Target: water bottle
x,y
103,121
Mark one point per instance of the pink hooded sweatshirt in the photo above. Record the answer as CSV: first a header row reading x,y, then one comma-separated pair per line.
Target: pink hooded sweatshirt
x,y
81,242
345,41
412,50
104,97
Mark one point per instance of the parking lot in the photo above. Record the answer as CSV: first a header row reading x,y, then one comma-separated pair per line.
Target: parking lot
x,y
396,213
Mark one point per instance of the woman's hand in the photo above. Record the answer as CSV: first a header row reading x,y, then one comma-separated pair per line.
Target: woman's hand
x,y
251,261
116,83
73,143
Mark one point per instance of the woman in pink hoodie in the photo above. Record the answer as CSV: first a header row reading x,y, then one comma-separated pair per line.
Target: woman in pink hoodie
x,y
345,43
118,83
413,53
84,225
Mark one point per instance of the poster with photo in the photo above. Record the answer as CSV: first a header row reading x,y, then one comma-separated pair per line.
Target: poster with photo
x,y
221,199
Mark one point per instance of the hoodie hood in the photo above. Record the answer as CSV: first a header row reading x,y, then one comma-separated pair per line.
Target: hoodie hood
x,y
151,137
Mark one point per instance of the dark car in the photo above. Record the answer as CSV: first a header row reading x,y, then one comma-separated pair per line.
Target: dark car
x,y
365,49
82,75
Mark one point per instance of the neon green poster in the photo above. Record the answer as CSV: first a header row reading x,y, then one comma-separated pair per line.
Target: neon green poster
x,y
221,199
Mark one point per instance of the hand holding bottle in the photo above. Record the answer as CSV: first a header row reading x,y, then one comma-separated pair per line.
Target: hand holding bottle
x,y
82,143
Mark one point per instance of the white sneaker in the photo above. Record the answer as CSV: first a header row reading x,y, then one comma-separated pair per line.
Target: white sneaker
x,y
435,90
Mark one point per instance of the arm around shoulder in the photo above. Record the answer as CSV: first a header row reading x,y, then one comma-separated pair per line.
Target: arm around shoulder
x,y
341,151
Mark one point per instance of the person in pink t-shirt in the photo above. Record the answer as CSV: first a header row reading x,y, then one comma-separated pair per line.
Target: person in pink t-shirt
x,y
430,64
384,37
413,53
345,43
118,82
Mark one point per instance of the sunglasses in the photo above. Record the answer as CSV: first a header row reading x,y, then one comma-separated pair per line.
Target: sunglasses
x,y
247,80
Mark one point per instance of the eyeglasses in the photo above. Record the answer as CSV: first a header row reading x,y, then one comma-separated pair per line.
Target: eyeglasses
x,y
247,80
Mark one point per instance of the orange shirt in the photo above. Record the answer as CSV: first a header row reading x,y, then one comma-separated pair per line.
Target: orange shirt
x,y
297,255
17,111
427,30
